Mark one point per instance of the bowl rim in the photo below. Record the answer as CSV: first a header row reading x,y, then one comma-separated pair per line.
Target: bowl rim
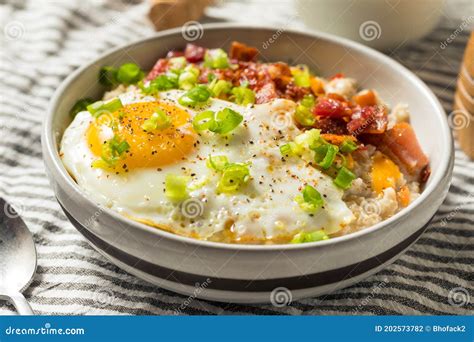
x,y
56,167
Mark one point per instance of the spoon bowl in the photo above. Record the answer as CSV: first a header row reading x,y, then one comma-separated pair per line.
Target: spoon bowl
x,y
17,258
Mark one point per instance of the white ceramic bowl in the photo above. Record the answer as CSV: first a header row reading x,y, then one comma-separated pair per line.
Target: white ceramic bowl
x,y
249,273
379,24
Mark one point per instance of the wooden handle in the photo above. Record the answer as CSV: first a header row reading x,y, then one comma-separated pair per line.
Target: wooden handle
x,y
462,118
173,13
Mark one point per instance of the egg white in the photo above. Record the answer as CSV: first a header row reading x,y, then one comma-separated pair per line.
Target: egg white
x,y
262,209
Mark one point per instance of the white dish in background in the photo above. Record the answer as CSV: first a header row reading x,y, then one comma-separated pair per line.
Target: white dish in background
x,y
381,24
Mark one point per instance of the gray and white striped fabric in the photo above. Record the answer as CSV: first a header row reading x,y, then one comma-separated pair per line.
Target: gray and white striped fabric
x,y
44,41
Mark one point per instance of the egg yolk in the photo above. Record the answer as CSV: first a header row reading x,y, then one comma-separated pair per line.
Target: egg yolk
x,y
385,173
147,149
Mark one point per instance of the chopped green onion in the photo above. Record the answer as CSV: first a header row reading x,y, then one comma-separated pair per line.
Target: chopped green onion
x,y
129,73
100,107
203,120
188,78
219,87
304,116
222,122
159,120
344,178
217,163
308,101
197,95
310,200
211,77
325,155
216,59
108,76
301,76
162,83
177,63
112,150
243,95
348,146
303,237
285,150
80,106
289,149
308,139
234,175
225,121
176,187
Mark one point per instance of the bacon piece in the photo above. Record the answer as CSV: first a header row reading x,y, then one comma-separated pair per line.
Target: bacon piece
x,y
266,93
278,70
368,119
332,106
242,52
280,73
295,92
160,67
331,126
194,53
247,72
401,145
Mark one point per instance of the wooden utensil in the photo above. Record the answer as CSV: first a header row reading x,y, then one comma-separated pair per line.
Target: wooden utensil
x,y
462,118
173,13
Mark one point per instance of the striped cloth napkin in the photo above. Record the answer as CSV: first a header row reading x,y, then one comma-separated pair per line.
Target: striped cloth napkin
x,y
44,41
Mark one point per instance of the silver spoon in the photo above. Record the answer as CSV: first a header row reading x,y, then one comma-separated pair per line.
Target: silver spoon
x,y
17,258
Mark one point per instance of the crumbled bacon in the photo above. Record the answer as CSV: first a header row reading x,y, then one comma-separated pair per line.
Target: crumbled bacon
x,y
242,52
194,53
331,125
332,106
266,93
160,67
368,119
295,92
246,73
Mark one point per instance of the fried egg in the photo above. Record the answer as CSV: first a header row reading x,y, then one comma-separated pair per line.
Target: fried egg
x,y
262,210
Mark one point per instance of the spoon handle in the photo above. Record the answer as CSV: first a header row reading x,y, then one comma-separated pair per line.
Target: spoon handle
x,y
20,303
